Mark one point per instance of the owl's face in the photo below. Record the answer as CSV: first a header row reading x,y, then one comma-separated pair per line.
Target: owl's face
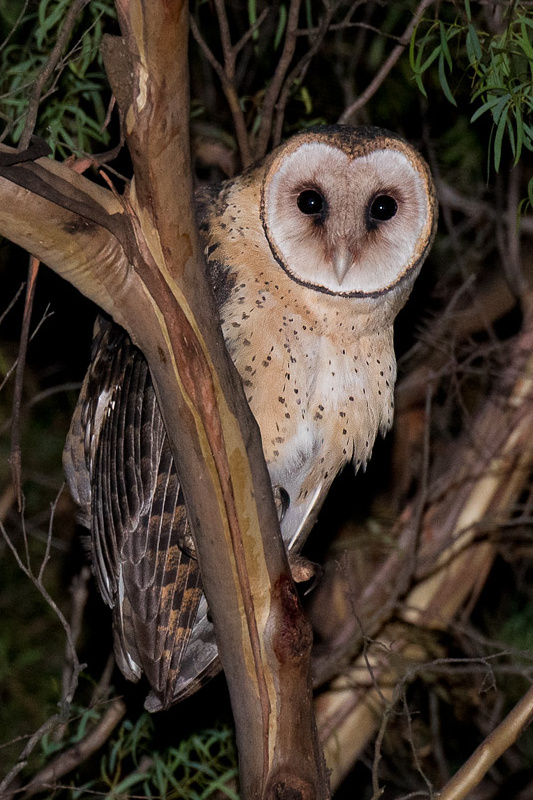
x,y
348,212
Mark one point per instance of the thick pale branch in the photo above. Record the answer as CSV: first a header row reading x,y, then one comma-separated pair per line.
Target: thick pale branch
x,y
215,439
494,746
140,260
487,474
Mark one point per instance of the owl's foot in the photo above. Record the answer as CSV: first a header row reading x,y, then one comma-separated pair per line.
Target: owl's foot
x,y
186,543
282,501
303,570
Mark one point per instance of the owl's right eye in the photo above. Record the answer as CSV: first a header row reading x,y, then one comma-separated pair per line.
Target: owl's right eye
x,y
310,202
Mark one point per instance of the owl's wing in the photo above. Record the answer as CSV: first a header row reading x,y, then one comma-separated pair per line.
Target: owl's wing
x,y
122,475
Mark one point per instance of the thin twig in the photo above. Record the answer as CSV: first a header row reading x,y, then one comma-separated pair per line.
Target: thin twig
x,y
13,367
225,39
15,26
15,455
70,759
482,759
80,592
101,690
22,761
70,386
230,92
27,570
251,30
414,749
4,314
298,73
47,70
382,73
272,93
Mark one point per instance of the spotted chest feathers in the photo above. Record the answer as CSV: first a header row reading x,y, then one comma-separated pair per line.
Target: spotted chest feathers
x,y
318,372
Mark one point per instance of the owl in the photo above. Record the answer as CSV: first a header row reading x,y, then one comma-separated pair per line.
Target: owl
x,y
311,253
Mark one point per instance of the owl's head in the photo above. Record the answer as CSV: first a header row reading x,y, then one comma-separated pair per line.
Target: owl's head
x,y
348,211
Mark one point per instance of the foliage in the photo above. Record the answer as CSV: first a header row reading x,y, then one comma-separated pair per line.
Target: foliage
x,y
73,106
461,59
200,766
498,64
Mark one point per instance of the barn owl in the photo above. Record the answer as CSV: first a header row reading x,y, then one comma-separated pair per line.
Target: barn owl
x,y
311,254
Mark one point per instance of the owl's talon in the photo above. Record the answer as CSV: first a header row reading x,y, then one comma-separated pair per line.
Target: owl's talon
x,y
186,544
282,501
303,570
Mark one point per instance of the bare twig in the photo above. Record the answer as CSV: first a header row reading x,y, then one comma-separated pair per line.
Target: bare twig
x,y
272,93
70,759
15,26
13,367
22,761
4,314
298,73
70,685
79,592
382,73
70,386
490,750
15,454
7,498
38,584
227,79
101,690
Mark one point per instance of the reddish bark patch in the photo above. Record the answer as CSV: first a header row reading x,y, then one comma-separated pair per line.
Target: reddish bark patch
x,y
294,637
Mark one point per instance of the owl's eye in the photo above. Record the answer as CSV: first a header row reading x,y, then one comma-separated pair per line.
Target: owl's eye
x,y
383,208
310,202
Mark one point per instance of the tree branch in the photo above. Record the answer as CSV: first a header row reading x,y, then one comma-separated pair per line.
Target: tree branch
x,y
230,93
272,93
140,260
382,73
74,756
489,751
51,63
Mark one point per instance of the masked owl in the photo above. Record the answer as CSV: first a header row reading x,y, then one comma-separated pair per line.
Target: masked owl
x,y
311,254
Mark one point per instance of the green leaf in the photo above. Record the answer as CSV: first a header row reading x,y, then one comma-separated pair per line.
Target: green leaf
x,y
524,42
252,17
498,138
473,46
490,103
444,82
519,134
282,22
444,45
430,59
306,99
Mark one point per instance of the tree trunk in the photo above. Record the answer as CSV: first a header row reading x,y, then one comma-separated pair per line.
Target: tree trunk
x,y
138,257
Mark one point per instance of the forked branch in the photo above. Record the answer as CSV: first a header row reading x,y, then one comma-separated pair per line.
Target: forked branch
x,y
139,259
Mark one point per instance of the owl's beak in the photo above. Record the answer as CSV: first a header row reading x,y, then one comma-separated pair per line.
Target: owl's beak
x,y
342,261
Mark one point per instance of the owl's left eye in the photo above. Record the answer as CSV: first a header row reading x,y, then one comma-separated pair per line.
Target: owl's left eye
x,y
310,202
383,207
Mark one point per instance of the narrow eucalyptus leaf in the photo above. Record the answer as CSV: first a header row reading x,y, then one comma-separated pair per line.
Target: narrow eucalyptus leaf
x,y
444,82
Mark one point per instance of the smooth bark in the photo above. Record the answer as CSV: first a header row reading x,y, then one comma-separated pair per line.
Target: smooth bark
x,y
138,257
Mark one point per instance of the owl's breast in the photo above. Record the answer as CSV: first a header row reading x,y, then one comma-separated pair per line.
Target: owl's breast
x,y
320,395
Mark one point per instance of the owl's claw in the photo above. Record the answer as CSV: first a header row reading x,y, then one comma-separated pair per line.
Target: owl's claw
x,y
303,570
282,501
186,543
